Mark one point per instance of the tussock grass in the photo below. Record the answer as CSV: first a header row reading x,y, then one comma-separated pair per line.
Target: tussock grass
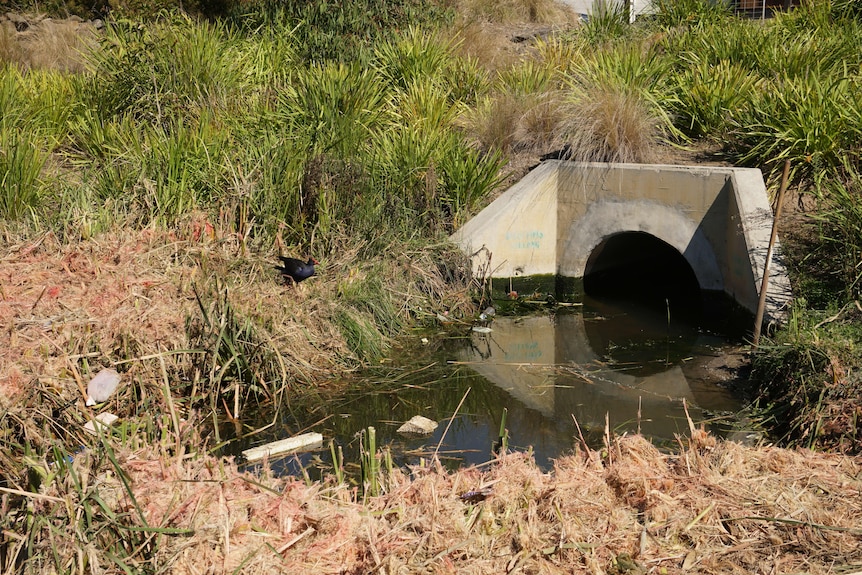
x,y
10,50
607,125
47,44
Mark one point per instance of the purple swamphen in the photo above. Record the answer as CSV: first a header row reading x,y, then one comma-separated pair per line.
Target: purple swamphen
x,y
296,270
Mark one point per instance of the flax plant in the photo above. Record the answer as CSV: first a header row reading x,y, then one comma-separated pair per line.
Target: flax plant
x,y
415,56
21,163
709,96
814,122
333,108
164,70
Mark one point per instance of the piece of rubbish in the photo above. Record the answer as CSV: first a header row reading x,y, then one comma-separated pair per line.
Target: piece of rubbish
x,y
418,425
304,442
481,329
443,319
489,312
477,495
100,422
102,386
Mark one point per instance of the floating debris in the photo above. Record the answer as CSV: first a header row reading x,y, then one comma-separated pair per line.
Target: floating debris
x,y
102,386
418,425
304,442
481,329
488,313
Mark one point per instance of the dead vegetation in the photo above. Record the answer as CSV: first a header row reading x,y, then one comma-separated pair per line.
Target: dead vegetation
x,y
148,301
38,42
715,507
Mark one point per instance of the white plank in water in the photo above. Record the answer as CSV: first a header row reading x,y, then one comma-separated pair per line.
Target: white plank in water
x,y
305,441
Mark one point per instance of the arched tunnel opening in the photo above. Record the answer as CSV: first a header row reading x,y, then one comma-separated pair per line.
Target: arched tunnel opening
x,y
639,267
645,292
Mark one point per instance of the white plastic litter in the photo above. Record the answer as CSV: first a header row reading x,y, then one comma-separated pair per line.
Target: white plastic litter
x,y
101,421
102,386
304,442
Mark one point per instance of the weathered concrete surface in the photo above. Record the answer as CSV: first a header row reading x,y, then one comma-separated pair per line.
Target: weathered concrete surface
x,y
719,219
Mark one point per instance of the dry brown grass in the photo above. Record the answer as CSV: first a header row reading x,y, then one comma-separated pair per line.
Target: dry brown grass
x,y
124,299
10,49
516,11
714,508
519,123
48,44
610,125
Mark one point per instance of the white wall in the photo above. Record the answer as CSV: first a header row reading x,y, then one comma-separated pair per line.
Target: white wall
x,y
586,6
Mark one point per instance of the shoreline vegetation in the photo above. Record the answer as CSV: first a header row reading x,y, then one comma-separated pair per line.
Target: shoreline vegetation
x,y
155,163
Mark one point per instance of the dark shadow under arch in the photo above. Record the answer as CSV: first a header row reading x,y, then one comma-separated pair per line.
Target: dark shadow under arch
x,y
639,267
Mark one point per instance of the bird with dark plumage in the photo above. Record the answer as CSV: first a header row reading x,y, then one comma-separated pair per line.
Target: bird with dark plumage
x,y
296,270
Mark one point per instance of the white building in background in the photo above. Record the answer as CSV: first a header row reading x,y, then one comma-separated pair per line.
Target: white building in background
x,y
749,8
586,7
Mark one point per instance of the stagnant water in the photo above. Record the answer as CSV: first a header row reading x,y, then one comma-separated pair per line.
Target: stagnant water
x,y
589,365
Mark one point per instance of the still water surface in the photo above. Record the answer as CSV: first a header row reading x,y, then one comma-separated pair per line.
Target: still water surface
x,y
593,364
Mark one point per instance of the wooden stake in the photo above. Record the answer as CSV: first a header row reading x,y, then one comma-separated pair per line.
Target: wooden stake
x,y
758,320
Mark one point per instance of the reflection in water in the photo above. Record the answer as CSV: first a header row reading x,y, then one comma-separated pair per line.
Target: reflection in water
x,y
592,365
547,371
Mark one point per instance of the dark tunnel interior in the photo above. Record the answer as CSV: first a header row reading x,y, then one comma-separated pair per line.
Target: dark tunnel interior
x,y
638,267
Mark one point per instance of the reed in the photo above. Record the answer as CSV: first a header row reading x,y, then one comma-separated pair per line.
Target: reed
x,y
370,463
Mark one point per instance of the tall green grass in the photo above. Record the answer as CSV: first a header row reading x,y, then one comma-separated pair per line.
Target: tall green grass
x,y
180,116
21,163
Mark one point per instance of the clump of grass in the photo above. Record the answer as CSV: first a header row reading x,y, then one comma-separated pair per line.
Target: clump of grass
x,y
808,389
10,49
344,35
812,124
47,44
21,163
670,13
59,45
614,108
839,223
523,111
239,364
608,22
161,72
611,125
710,95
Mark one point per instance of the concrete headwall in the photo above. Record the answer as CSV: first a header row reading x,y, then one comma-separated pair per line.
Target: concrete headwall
x,y
719,219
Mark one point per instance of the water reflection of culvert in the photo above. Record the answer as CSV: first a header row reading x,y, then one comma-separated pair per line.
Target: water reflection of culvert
x,y
571,366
